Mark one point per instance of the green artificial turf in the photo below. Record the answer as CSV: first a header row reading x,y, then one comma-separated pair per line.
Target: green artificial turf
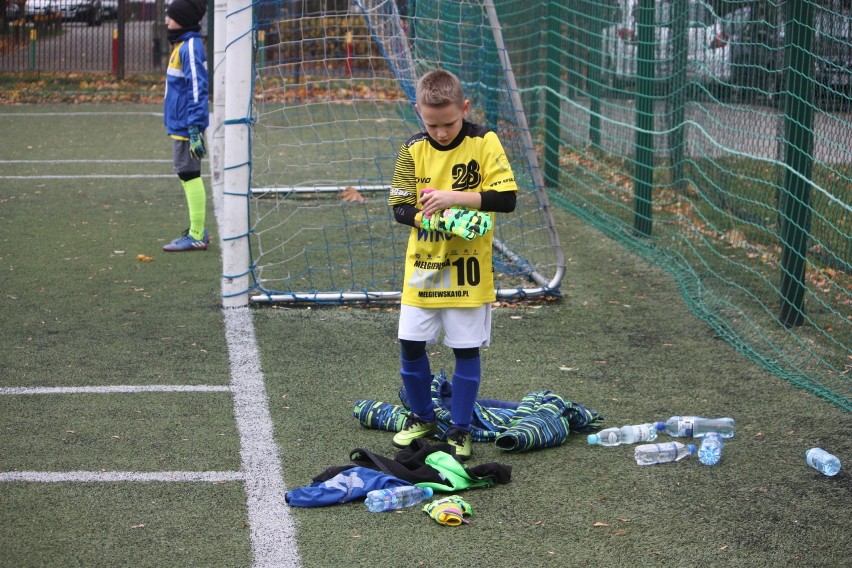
x,y
78,309
620,342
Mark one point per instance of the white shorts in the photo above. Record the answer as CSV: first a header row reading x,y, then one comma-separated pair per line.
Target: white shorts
x,y
463,327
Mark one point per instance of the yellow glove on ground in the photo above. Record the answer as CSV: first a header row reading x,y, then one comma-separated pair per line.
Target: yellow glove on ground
x,y
450,511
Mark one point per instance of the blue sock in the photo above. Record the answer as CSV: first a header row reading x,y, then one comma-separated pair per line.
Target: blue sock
x,y
417,380
465,388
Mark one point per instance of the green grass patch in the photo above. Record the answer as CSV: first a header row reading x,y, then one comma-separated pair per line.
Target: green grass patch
x,y
75,312
123,524
620,342
168,431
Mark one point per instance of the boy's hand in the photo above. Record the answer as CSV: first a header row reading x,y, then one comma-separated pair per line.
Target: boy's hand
x,y
466,223
433,201
197,147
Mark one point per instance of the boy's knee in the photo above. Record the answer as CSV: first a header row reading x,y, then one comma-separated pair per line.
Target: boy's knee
x,y
187,176
412,350
466,352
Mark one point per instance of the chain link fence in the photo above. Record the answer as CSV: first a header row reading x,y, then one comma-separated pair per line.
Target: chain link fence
x,y
121,37
712,138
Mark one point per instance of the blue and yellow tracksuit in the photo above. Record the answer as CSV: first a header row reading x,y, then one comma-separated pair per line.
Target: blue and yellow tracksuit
x,y
186,87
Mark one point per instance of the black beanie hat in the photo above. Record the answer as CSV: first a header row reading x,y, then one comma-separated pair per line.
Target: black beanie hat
x,y
187,13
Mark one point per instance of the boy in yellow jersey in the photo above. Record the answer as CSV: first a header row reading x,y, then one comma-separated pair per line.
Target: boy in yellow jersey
x,y
186,115
453,170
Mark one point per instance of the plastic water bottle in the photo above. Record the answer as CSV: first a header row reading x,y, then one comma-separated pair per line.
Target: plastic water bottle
x,y
822,461
625,435
394,498
696,426
648,454
710,451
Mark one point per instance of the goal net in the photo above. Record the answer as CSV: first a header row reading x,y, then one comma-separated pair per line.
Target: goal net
x,y
332,100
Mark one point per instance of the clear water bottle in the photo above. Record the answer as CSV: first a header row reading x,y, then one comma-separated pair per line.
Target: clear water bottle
x,y
648,454
823,461
625,435
394,498
710,450
696,426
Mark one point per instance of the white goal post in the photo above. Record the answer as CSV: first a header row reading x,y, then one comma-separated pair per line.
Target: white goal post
x,y
314,106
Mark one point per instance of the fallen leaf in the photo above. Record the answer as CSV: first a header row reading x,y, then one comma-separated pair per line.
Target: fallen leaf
x,y
139,526
599,524
352,194
143,258
620,532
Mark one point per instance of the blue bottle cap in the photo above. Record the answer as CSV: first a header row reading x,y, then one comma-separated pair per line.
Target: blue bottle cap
x,y
427,491
592,439
691,448
660,425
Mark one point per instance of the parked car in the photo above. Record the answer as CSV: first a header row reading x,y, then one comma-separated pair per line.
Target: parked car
x,y
833,57
756,35
33,8
708,54
110,8
89,11
14,11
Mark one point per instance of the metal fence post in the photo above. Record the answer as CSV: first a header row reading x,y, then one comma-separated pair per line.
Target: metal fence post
x,y
552,104
644,174
33,44
122,39
795,202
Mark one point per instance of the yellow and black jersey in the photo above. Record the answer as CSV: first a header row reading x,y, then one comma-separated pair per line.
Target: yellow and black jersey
x,y
442,270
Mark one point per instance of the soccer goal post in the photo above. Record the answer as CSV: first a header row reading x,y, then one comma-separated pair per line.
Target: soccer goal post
x,y
318,101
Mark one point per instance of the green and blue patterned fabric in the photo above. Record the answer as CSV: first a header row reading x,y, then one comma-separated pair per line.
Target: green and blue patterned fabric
x,y
542,419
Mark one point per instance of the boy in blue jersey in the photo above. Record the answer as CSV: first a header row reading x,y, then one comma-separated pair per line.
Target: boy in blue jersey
x,y
455,170
186,115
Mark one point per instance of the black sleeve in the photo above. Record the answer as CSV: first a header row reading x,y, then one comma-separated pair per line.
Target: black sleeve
x,y
499,201
496,201
404,213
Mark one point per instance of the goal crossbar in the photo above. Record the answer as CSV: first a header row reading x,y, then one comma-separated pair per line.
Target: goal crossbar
x,y
330,102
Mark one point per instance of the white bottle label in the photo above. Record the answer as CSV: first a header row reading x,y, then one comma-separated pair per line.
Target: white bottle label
x,y
685,426
641,433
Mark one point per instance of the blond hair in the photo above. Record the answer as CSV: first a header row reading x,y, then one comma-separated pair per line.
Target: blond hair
x,y
439,88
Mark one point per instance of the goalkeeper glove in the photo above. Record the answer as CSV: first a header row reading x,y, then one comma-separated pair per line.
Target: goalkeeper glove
x,y
197,147
466,223
450,511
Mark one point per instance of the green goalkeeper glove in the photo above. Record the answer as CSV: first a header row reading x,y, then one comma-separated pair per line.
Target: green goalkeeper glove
x,y
197,147
466,223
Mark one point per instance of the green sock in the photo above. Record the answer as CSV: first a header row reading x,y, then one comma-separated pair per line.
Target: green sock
x,y
196,201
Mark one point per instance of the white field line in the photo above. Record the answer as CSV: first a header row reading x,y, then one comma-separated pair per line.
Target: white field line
x,y
113,389
122,176
83,114
131,161
273,537
113,476
89,176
